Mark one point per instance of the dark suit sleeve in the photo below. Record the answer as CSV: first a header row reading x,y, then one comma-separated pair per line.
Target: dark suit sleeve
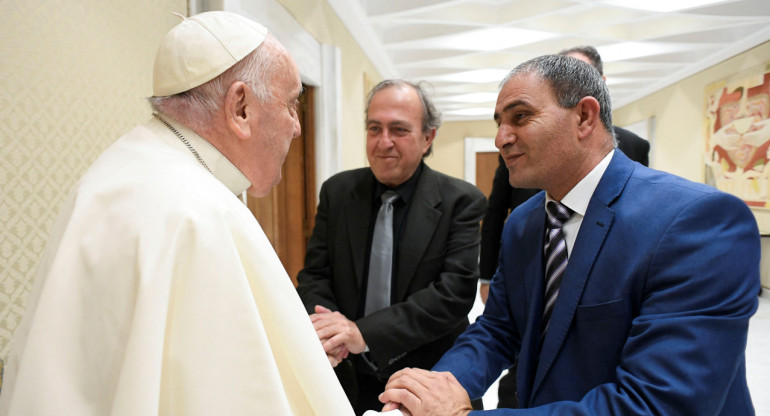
x,y
315,286
440,306
494,218
685,346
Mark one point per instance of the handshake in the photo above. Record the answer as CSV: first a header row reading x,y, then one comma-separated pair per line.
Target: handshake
x,y
409,392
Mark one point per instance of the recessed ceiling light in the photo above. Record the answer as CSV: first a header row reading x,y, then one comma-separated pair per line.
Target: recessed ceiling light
x,y
475,111
661,5
631,50
476,97
496,38
477,76
489,39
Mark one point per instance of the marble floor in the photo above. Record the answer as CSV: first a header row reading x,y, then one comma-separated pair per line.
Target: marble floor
x,y
757,357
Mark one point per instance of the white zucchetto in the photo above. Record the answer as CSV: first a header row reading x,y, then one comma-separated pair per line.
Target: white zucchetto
x,y
202,47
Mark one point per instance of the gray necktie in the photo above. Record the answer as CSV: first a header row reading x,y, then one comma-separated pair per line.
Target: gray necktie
x,y
556,258
381,257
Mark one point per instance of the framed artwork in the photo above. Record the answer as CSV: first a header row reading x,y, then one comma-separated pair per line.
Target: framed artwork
x,y
737,124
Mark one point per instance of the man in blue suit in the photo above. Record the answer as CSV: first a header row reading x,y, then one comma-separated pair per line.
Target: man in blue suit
x,y
651,313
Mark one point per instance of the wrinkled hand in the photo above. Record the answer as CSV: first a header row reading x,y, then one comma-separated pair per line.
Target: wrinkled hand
x,y
339,335
336,355
425,393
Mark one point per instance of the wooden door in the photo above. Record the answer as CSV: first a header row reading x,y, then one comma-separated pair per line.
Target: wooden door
x,y
486,164
287,214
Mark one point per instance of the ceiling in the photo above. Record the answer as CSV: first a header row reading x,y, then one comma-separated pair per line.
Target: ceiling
x,y
463,48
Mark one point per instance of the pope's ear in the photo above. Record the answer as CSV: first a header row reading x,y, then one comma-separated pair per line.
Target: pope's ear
x,y
238,109
589,119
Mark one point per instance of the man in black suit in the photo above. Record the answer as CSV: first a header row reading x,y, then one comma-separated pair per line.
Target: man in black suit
x,y
504,198
433,269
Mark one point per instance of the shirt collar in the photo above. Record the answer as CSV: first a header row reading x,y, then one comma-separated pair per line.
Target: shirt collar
x,y
405,190
220,166
579,196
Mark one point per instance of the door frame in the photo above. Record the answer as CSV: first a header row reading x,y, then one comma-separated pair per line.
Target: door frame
x,y
473,145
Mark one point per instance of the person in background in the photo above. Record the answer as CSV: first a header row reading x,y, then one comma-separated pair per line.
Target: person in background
x,y
392,265
158,292
633,146
504,198
621,290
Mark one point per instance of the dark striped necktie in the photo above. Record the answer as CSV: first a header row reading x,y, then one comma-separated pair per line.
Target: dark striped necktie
x,y
555,251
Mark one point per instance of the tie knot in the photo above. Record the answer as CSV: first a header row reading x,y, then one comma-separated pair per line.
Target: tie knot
x,y
388,197
558,214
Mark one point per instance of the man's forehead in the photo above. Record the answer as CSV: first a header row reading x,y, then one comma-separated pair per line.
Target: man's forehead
x,y
395,122
511,91
394,95
287,72
393,106
523,89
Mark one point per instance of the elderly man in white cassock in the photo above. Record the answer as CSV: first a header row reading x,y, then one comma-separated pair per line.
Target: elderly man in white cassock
x,y
158,292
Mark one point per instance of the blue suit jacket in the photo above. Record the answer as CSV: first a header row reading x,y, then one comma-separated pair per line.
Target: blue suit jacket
x,y
653,310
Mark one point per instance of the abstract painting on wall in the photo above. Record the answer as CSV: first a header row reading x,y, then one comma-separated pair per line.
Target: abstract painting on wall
x,y
737,126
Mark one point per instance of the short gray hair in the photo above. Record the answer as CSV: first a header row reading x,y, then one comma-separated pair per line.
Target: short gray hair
x,y
431,118
571,80
589,52
196,107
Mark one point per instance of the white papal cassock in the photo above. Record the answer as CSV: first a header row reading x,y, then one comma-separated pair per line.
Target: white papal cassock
x,y
159,294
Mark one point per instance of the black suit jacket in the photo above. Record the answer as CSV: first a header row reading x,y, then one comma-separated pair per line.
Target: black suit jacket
x,y
633,146
504,198
436,274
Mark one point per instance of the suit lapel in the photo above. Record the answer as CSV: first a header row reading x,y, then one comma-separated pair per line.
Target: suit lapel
x,y
533,279
533,285
593,231
421,222
357,212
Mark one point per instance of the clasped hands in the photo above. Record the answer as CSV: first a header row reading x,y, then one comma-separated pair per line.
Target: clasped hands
x,y
415,392
339,335
418,392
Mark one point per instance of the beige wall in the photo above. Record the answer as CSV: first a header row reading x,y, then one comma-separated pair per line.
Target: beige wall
x,y
679,133
449,146
320,20
73,77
